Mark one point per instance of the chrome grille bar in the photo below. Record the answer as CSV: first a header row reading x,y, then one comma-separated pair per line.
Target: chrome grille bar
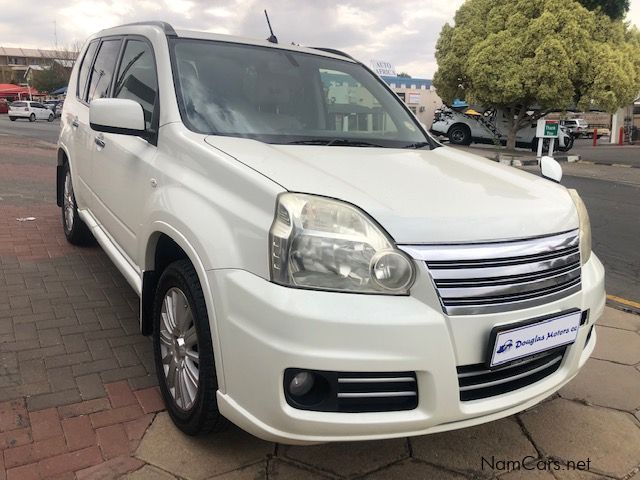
x,y
502,276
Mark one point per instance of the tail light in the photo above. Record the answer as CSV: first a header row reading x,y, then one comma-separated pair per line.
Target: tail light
x,y
26,109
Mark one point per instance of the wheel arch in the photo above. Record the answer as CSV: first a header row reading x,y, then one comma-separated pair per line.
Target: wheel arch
x,y
63,159
164,245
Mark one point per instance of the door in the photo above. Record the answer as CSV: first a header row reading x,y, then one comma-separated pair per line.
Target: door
x,y
75,130
121,163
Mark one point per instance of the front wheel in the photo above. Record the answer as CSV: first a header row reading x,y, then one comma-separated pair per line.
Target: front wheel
x,y
50,119
32,117
183,351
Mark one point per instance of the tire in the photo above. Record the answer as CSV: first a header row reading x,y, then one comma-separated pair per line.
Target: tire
x,y
459,135
50,119
568,146
13,119
75,230
186,347
32,117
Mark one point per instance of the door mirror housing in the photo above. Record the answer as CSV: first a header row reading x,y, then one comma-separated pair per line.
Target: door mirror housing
x,y
551,169
117,115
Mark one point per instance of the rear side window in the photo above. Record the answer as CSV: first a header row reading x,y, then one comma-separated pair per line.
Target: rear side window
x,y
84,70
102,70
137,78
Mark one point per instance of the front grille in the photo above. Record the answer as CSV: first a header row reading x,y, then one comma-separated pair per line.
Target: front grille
x,y
355,392
502,276
476,381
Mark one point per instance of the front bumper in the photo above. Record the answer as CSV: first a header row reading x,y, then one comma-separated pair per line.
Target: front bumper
x,y
265,328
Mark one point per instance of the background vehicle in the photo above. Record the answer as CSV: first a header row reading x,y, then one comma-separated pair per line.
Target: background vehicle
x,y
4,106
576,126
489,127
31,111
53,105
311,264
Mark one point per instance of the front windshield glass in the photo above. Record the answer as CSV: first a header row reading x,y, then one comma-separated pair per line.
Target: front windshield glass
x,y
280,96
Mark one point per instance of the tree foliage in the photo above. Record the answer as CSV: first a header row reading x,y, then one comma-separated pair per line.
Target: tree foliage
x,y
615,9
404,75
551,54
51,78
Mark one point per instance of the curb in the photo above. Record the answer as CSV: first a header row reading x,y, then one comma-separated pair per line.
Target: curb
x,y
609,164
520,162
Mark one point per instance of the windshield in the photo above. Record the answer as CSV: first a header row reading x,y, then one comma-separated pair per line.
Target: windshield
x,y
280,96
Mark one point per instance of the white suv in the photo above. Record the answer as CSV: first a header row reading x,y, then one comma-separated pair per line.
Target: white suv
x,y
31,111
312,265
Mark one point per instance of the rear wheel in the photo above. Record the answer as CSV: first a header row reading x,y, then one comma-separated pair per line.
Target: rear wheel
x,y
183,351
32,117
13,119
75,230
459,135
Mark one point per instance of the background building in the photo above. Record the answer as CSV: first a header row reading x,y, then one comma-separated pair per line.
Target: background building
x,y
418,94
16,62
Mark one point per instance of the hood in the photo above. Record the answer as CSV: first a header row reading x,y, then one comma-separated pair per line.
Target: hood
x,y
419,196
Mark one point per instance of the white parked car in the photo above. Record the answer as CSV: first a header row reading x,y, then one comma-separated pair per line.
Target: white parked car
x,y
312,265
577,126
463,129
30,110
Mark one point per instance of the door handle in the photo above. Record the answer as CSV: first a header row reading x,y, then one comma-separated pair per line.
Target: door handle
x,y
75,123
100,142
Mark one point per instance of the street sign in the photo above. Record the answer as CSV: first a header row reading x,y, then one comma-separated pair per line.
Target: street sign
x,y
547,128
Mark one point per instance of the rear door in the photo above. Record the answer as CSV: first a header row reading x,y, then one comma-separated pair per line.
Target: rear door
x,y
121,166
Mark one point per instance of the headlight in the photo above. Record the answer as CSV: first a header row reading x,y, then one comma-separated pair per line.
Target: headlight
x,y
321,243
585,226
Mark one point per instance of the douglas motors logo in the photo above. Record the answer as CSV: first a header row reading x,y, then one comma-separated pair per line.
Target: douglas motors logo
x,y
528,342
505,347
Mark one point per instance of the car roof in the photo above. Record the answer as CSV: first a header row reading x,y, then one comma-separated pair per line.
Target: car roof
x,y
142,27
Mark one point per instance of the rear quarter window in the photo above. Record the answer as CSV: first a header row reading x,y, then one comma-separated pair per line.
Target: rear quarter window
x,y
83,75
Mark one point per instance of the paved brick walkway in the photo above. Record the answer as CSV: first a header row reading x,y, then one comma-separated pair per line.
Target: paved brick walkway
x,y
78,396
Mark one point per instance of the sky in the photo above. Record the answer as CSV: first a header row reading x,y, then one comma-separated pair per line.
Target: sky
x,y
402,32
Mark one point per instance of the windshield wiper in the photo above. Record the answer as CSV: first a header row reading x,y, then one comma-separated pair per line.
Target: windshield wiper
x,y
337,142
418,145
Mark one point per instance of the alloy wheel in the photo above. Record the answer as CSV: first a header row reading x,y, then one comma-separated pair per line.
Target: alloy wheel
x,y
68,202
179,348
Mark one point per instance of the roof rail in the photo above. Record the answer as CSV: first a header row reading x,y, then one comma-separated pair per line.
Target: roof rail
x,y
166,27
336,52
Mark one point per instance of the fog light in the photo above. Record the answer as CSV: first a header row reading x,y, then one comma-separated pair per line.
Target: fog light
x,y
301,384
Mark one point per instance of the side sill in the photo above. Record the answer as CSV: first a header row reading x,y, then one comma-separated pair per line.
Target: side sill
x,y
128,271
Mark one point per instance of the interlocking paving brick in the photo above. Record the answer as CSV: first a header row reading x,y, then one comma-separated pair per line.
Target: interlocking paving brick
x,y
84,408
150,399
279,470
113,441
606,384
67,359
33,452
78,432
572,431
136,428
116,415
13,415
120,394
70,462
90,386
199,458
149,472
45,424
15,438
61,379
46,400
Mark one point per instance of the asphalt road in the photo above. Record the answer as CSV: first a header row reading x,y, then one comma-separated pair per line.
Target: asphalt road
x,y
607,154
614,206
40,129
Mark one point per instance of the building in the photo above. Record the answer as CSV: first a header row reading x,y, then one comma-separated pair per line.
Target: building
x,y
418,94
15,63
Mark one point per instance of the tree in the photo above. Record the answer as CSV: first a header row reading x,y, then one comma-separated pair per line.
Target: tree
x,y
529,57
615,9
404,75
51,78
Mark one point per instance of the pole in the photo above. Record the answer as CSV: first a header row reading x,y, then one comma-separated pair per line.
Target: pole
x,y
540,144
551,142
595,137
621,136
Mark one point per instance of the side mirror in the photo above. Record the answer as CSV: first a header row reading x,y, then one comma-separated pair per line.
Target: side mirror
x,y
551,169
117,115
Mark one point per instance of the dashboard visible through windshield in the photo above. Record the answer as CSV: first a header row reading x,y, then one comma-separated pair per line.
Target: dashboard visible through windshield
x,y
289,97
